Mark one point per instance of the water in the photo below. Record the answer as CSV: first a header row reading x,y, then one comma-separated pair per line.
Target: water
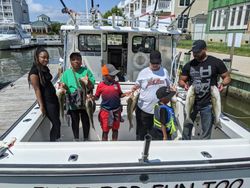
x,y
14,64
238,109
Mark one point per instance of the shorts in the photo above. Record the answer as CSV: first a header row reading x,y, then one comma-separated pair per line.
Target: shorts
x,y
104,119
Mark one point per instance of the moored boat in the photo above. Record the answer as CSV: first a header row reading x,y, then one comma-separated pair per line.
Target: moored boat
x,y
223,161
12,34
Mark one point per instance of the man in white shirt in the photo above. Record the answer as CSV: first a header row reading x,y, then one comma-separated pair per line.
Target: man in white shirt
x,y
148,81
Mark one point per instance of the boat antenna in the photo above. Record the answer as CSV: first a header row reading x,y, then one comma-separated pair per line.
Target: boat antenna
x,y
87,9
181,17
72,13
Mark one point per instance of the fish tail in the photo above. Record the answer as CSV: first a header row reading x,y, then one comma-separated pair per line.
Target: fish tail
x,y
188,121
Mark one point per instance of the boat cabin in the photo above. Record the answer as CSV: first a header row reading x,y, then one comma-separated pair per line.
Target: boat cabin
x,y
126,48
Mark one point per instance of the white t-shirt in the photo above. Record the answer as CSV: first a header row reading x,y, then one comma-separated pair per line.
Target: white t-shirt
x,y
149,81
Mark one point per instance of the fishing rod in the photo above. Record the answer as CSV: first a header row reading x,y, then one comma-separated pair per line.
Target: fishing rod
x,y
154,13
181,17
65,10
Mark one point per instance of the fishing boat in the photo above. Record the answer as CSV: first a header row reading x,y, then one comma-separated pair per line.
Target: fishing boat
x,y
221,162
12,34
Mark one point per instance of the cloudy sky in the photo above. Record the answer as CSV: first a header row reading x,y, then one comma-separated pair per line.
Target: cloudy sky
x,y
52,8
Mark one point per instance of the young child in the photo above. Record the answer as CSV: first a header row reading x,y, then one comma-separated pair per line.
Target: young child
x,y
110,91
164,119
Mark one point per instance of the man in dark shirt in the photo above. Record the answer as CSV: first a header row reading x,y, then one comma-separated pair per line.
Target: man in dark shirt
x,y
202,72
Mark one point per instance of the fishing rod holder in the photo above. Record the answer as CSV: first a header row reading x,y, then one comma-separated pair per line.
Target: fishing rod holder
x,y
147,140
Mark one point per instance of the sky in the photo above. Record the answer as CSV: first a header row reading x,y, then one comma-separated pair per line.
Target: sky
x,y
52,8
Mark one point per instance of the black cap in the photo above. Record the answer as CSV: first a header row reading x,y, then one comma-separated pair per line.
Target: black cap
x,y
165,92
198,45
155,57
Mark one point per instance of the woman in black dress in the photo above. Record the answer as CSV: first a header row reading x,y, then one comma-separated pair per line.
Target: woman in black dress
x,y
40,78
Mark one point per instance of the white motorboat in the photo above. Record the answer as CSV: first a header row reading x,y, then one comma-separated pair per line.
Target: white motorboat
x,y
223,161
12,34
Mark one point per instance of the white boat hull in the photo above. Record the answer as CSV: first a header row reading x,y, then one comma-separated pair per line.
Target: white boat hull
x,y
160,171
7,43
12,34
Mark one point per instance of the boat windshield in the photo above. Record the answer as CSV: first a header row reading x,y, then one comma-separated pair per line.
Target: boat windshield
x,y
90,42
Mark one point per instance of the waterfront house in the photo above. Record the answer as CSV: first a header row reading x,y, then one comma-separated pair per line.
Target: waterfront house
x,y
42,25
228,16
167,10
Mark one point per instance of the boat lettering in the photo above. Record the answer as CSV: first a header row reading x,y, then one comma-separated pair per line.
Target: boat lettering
x,y
238,183
224,184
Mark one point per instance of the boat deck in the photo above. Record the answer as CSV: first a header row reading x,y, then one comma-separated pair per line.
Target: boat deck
x,y
15,99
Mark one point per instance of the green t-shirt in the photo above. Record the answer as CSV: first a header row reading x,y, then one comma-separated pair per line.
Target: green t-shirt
x,y
69,80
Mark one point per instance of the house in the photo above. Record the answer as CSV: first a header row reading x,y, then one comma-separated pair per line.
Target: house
x,y
228,16
42,25
199,23
167,11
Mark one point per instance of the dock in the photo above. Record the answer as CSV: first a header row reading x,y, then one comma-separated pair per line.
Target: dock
x,y
16,99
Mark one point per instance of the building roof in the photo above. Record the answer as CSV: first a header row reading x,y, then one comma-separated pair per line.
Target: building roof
x,y
40,24
42,15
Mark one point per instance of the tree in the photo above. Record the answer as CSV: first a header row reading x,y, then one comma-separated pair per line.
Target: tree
x,y
115,10
55,27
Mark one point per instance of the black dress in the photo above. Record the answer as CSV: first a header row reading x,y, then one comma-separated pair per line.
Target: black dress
x,y
50,100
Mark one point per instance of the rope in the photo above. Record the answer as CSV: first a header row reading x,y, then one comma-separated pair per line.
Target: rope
x,y
236,117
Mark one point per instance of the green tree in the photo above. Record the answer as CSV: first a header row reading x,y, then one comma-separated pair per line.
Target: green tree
x,y
115,10
55,27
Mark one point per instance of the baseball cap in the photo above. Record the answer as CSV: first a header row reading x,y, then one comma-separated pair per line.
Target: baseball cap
x,y
109,69
155,57
198,45
165,92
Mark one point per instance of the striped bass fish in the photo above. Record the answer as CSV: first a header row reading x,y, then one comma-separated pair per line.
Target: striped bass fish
x,y
216,105
131,106
89,103
190,98
90,109
61,99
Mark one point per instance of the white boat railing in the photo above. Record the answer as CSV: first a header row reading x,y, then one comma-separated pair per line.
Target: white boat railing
x,y
97,20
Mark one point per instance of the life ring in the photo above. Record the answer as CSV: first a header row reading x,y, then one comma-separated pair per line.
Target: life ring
x,y
140,60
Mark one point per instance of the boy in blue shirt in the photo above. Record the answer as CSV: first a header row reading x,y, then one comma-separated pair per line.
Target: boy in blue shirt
x,y
164,118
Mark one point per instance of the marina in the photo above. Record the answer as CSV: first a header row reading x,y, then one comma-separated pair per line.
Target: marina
x,y
29,160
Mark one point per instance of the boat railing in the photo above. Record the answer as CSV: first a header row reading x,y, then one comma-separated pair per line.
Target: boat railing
x,y
97,20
